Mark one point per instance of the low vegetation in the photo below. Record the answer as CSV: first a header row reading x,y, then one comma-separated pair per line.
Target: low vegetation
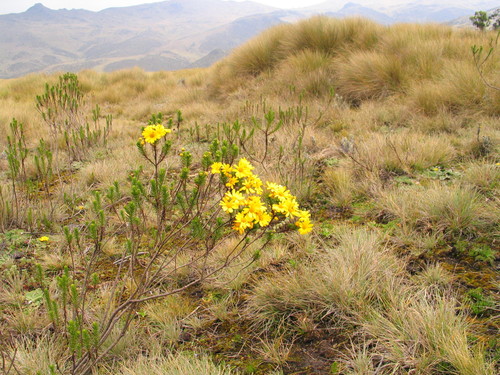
x,y
322,201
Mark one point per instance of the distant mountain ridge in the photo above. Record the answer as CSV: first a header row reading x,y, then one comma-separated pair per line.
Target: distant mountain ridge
x,y
164,35
466,22
392,11
168,35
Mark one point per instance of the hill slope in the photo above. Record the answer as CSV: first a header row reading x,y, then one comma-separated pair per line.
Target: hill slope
x,y
363,60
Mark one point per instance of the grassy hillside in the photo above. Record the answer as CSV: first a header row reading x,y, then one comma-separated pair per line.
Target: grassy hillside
x,y
429,65
118,257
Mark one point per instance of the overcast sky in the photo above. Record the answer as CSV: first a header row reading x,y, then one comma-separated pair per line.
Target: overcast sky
x,y
17,6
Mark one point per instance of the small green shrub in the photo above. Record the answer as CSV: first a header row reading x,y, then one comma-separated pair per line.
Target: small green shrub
x,y
478,302
483,253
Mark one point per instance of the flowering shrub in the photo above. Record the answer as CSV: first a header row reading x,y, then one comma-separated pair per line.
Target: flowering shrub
x,y
171,223
251,206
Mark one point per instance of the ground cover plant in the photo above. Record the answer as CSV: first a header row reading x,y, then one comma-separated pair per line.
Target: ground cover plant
x,y
322,201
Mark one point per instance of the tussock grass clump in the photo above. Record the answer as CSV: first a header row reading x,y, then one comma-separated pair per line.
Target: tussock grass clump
x,y
425,333
339,186
309,60
423,49
370,75
26,87
484,177
442,121
399,152
345,279
37,356
180,364
461,89
330,36
260,53
435,276
165,318
419,32
458,88
432,63
359,281
321,34
308,72
452,210
428,97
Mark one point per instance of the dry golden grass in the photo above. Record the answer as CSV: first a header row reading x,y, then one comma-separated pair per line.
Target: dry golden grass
x,y
451,210
370,75
260,54
484,177
181,364
347,278
339,186
331,36
362,282
404,151
308,72
36,356
425,333
435,276
428,61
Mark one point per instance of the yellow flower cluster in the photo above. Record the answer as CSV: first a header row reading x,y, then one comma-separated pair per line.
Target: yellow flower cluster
x,y
243,199
152,133
43,239
288,206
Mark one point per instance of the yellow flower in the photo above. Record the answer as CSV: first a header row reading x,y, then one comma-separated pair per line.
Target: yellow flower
x,y
254,204
303,214
149,134
43,239
227,170
305,226
254,208
287,207
232,181
242,222
252,184
237,227
243,168
152,133
250,209
278,191
304,222
216,167
232,201
80,207
264,219
272,187
161,130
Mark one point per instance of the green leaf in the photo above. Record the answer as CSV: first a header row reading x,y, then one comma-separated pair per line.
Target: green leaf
x,y
34,297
